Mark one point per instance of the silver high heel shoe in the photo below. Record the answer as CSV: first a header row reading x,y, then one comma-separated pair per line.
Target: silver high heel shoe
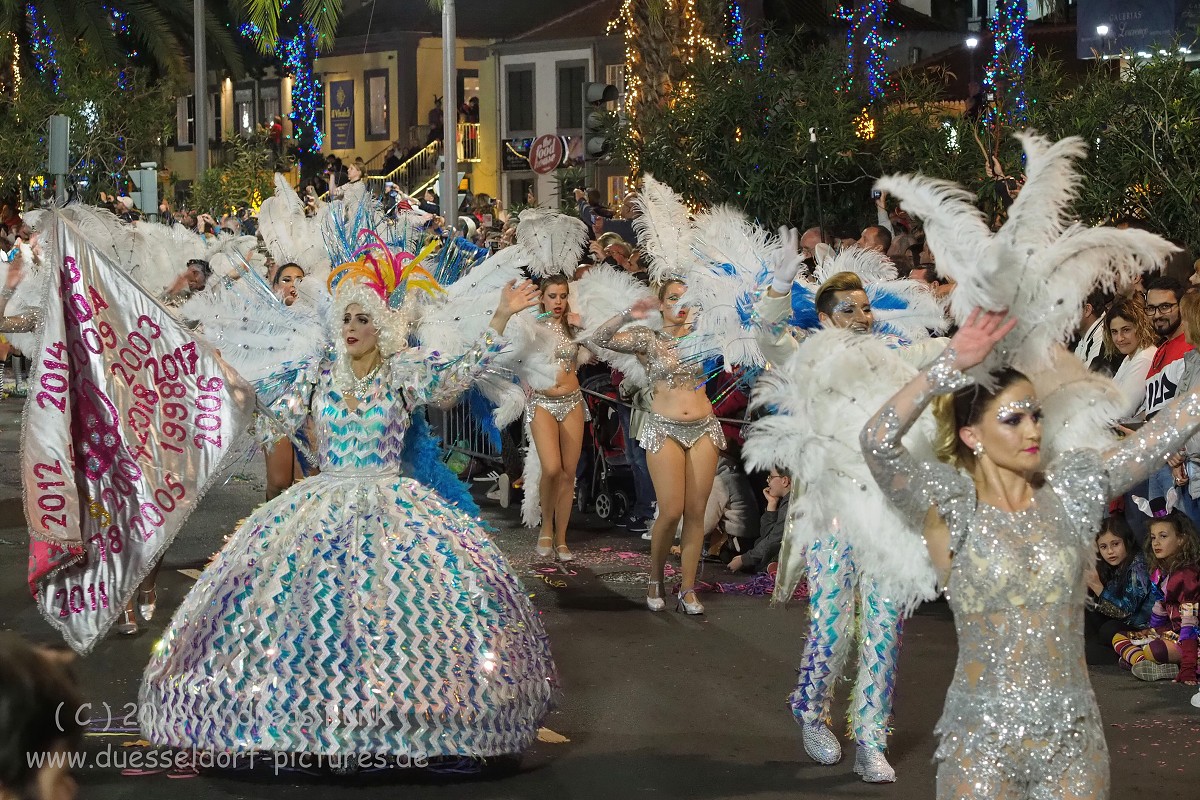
x,y
127,624
543,551
873,766
563,553
655,603
689,608
147,602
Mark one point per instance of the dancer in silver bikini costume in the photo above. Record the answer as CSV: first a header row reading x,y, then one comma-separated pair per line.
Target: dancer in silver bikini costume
x,y
682,437
557,432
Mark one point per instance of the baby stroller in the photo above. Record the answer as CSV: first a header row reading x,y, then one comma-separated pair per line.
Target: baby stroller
x,y
605,482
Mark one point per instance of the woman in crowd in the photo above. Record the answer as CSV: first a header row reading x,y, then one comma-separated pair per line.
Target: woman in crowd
x,y
353,190
1119,595
1166,648
285,465
555,417
358,613
1128,332
1012,537
682,436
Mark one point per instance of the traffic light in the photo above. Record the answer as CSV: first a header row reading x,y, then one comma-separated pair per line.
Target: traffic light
x,y
595,95
144,188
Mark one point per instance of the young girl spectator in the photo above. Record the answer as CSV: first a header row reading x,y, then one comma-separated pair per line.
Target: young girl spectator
x,y
1119,590
1167,648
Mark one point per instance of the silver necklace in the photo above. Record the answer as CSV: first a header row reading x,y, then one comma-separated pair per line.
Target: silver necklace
x,y
363,384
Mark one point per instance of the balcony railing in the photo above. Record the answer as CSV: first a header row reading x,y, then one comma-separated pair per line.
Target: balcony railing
x,y
411,173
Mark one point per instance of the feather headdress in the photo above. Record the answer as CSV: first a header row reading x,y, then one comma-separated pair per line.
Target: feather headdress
x,y
1040,265
552,241
664,230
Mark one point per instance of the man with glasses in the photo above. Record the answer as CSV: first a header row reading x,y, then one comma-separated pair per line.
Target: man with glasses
x,y
1162,381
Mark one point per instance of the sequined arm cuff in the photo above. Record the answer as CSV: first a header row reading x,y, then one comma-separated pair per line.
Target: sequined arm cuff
x,y
447,379
944,377
1135,457
610,336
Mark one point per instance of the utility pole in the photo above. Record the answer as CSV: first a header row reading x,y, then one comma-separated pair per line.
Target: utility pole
x,y
200,89
449,193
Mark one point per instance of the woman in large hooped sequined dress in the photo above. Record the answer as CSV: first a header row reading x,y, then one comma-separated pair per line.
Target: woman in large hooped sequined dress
x,y
358,613
1020,720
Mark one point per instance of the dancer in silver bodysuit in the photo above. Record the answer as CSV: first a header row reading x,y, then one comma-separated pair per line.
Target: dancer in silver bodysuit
x,y
1020,720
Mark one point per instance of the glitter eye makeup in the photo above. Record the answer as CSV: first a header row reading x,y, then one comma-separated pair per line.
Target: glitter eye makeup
x,y
1027,406
847,307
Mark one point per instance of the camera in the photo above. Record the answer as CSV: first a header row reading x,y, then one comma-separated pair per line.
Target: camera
x,y
875,195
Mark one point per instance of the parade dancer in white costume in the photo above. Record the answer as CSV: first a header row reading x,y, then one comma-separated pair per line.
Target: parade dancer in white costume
x,y
357,613
1013,528
834,501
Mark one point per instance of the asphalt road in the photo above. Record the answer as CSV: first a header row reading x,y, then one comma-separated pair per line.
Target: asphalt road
x,y
652,705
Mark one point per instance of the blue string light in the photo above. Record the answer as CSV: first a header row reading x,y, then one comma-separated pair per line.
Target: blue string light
x,y
41,44
298,53
864,37
1005,73
737,31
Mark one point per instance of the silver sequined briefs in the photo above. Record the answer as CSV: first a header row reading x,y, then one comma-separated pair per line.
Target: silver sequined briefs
x,y
686,433
558,407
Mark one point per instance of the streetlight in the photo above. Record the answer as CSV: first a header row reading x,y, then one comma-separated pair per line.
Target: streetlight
x,y
1102,31
972,43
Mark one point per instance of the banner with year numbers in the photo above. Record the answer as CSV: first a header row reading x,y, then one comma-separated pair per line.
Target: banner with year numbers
x,y
127,421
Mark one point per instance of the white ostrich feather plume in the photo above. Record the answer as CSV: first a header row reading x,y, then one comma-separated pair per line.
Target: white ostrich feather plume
x,y
871,266
289,235
664,230
552,241
1039,265
453,322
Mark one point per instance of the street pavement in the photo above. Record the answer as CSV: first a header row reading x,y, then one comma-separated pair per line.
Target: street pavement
x,y
652,705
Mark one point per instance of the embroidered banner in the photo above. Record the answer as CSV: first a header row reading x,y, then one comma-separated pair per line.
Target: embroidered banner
x,y
341,115
127,421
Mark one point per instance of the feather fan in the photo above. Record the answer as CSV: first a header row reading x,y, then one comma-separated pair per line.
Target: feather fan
x,y
823,396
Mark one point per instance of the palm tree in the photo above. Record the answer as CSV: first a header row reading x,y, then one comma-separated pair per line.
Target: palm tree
x,y
161,29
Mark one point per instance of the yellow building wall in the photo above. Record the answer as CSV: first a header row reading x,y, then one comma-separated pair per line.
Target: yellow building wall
x,y
181,164
429,73
485,174
352,67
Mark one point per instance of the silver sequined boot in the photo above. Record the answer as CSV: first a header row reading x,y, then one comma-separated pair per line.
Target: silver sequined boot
x,y
820,743
873,765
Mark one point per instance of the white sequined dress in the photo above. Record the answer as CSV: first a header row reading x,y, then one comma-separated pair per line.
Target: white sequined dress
x,y
1020,718
358,612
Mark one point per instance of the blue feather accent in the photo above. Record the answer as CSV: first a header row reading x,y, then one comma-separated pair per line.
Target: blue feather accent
x,y
483,412
456,259
422,461
804,308
745,309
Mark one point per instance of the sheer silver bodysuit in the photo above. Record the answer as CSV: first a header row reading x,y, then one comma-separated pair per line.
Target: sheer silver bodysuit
x,y
1020,720
659,353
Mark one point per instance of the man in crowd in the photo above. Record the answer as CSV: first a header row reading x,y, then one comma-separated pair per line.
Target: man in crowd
x,y
1162,304
1091,329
